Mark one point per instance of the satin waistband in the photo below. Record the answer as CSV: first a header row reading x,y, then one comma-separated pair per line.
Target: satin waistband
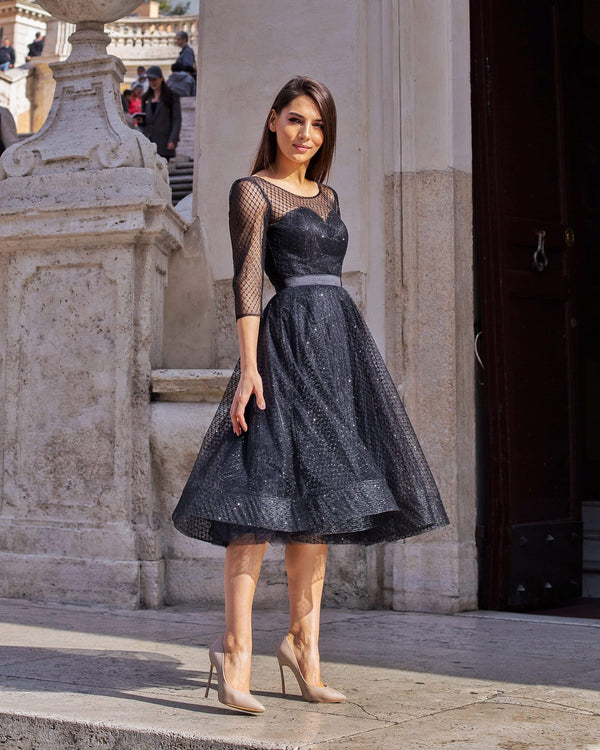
x,y
310,279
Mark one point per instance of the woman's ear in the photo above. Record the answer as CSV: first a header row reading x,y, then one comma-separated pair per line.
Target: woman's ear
x,y
272,120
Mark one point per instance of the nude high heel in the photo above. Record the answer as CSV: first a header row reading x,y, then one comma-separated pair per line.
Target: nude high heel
x,y
227,695
287,658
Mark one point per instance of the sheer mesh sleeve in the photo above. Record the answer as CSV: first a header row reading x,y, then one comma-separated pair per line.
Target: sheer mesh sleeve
x,y
332,197
248,217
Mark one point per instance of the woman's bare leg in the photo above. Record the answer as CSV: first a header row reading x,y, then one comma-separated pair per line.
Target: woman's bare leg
x,y
305,566
242,568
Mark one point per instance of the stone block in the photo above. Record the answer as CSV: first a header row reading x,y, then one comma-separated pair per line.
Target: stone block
x,y
65,579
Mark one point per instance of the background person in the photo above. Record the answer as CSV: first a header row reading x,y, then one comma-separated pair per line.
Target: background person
x,y
162,114
186,58
135,101
36,47
7,56
141,79
181,82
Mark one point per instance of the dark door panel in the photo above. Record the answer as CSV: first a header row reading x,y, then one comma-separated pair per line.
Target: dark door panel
x,y
526,268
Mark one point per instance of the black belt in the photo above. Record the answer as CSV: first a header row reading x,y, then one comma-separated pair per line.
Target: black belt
x,y
312,278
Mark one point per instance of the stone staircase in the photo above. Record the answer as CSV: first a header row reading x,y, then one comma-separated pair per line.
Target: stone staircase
x,y
181,177
181,169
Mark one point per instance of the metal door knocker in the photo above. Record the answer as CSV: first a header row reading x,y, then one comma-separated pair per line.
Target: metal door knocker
x,y
540,259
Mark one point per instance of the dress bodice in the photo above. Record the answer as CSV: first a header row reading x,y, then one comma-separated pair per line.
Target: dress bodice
x,y
283,234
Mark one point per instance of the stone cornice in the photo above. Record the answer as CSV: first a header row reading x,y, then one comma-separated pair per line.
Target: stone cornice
x,y
30,10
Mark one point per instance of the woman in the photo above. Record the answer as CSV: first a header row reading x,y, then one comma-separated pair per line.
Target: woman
x,y
321,449
162,114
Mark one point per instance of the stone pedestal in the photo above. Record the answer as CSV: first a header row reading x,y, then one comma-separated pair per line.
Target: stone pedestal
x,y
87,228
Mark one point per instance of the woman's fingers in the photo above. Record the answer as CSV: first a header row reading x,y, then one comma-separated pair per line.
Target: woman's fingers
x,y
240,401
237,415
258,392
240,414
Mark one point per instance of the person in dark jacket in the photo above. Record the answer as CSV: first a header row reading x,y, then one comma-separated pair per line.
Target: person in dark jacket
x,y
36,47
162,114
7,56
186,57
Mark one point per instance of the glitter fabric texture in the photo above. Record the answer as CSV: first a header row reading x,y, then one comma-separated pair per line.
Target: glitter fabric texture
x,y
333,458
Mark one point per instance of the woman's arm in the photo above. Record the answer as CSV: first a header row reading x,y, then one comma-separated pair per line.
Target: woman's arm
x,y
175,122
250,380
248,218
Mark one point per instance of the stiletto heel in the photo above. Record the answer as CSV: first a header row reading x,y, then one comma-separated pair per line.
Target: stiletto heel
x,y
282,679
209,681
287,658
227,695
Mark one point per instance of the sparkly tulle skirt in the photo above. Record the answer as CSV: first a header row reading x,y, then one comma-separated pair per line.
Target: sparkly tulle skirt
x,y
333,458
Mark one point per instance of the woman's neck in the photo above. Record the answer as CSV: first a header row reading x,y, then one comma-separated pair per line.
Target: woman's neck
x,y
291,174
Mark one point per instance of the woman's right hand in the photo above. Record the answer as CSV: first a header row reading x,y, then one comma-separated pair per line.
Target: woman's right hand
x,y
250,383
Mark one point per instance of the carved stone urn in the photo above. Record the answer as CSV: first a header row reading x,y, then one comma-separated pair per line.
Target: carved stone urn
x,y
85,128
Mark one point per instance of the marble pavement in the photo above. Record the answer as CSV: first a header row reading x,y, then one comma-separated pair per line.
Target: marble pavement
x,y
88,678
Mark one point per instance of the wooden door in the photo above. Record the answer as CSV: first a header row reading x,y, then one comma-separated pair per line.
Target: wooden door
x,y
526,261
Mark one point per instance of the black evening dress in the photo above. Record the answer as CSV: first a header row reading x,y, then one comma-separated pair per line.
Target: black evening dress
x,y
333,458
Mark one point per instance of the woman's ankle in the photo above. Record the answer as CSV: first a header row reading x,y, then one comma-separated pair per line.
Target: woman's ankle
x,y
234,644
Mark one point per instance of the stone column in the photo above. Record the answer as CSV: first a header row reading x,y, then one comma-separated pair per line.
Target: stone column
x,y
87,227
429,289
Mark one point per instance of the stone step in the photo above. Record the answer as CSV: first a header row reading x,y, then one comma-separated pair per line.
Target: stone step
x,y
181,178
189,385
181,175
187,168
49,733
590,513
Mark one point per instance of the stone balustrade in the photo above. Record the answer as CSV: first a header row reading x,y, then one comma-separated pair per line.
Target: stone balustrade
x,y
149,39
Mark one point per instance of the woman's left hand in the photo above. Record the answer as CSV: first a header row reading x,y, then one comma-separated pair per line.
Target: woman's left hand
x,y
170,146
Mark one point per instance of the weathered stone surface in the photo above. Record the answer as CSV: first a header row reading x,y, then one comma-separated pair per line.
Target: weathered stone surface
x,y
76,11
189,317
189,385
83,678
432,300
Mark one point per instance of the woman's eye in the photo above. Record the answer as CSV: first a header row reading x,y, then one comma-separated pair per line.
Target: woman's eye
x,y
294,119
319,125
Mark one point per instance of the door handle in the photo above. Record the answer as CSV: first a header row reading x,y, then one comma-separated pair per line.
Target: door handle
x,y
540,259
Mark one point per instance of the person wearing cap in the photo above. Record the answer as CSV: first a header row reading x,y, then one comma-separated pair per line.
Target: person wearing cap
x,y
186,58
162,114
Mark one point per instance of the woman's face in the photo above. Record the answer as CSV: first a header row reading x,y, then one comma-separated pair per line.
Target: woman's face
x,y
154,83
299,130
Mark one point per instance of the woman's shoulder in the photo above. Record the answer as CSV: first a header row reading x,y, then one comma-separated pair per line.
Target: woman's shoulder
x,y
248,191
329,193
247,185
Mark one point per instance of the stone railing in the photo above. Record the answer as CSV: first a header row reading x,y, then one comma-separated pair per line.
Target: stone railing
x,y
132,32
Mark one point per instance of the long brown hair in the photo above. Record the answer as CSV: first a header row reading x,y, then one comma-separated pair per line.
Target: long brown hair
x,y
320,164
